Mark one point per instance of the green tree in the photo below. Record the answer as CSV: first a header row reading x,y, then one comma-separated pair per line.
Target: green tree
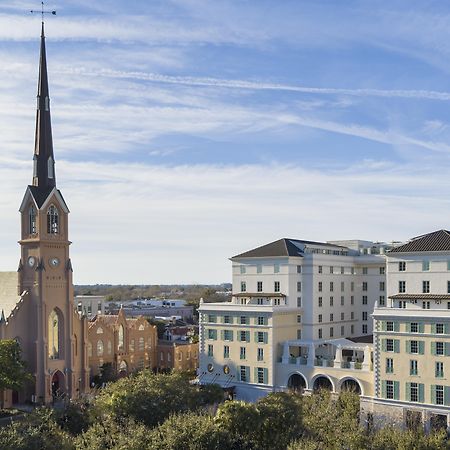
x,y
391,437
150,398
38,431
13,372
74,417
110,433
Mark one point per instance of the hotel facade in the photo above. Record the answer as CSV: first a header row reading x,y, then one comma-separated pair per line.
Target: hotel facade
x,y
337,315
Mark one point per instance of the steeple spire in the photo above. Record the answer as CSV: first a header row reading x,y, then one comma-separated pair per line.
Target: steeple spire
x,y
44,163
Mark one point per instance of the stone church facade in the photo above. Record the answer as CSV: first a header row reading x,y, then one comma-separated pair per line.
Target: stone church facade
x,y
37,302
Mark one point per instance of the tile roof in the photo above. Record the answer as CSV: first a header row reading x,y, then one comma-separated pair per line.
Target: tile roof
x,y
282,247
420,296
437,241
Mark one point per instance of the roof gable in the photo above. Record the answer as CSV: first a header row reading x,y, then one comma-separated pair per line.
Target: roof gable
x,y
437,241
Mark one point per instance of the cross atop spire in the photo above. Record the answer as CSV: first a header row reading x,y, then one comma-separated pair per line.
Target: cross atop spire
x,y
44,163
43,12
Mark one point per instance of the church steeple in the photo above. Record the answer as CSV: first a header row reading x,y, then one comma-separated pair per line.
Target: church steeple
x,y
44,164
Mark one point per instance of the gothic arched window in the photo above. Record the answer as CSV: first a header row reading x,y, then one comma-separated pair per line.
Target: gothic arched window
x,y
109,347
54,335
52,220
100,348
32,220
120,343
141,343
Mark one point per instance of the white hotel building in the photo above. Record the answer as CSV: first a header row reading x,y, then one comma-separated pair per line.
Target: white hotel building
x,y
300,317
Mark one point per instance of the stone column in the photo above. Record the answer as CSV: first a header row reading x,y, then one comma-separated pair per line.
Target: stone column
x,y
366,362
311,355
338,357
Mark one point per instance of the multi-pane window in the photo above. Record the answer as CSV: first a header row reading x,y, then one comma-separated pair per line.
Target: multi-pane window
x,y
299,334
414,347
414,327
389,326
261,337
352,286
382,270
402,287
331,317
382,287
299,318
331,332
226,319
382,300
352,329
331,301
439,348
299,302
389,365
210,350
440,329
320,302
331,269
426,305
402,304
439,369
364,286
260,355
342,316
425,265
299,269
389,389
227,335
244,320
402,266
243,336
439,394
262,320
259,286
320,318
226,351
425,287
448,287
413,367
414,392
243,372
212,318
299,286
342,300
364,328
364,299
331,286
319,332
320,286
260,375
364,315
243,286
320,269
389,345
342,330
342,286
276,286
260,301
212,334
365,270
242,353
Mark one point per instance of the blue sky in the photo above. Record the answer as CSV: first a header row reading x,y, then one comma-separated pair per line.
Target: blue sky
x,y
187,131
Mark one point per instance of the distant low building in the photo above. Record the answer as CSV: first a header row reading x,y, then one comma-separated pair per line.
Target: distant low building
x,y
177,355
184,312
90,305
129,344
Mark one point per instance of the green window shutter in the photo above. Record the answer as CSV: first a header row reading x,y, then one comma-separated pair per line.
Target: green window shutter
x,y
421,393
421,347
433,394
396,390
239,336
433,348
396,346
222,335
215,335
447,395
247,371
383,345
421,327
266,337
231,335
256,336
408,327
407,391
447,328
383,325
408,346
433,328
247,336
255,373
383,389
447,348
266,376
396,326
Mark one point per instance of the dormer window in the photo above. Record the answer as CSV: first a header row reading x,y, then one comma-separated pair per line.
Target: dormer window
x,y
50,167
52,220
32,220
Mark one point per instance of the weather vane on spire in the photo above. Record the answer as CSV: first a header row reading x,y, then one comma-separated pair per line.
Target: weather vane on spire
x,y
42,12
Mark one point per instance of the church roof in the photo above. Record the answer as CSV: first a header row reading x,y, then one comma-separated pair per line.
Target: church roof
x,y
44,178
9,297
283,247
437,241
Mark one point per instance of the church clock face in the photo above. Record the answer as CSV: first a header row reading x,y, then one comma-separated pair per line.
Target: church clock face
x,y
31,261
54,262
